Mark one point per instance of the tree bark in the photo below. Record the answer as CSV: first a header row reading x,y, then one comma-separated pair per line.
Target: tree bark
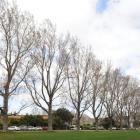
x,y
5,113
128,122
78,121
121,123
50,117
96,123
110,127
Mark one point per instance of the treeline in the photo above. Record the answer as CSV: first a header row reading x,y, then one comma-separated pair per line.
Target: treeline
x,y
62,119
36,60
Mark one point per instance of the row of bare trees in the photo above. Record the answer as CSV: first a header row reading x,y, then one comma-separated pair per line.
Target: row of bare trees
x,y
103,90
49,66
121,97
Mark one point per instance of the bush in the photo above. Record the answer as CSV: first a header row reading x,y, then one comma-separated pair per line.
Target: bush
x,y
86,126
106,123
62,119
0,125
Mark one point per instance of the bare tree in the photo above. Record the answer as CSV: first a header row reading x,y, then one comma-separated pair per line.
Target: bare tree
x,y
96,89
130,101
16,40
110,94
136,109
120,98
78,72
51,57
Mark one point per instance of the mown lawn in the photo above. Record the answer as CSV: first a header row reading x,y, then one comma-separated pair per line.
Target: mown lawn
x,y
92,135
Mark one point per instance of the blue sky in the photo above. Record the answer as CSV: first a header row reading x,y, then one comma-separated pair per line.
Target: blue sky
x,y
101,6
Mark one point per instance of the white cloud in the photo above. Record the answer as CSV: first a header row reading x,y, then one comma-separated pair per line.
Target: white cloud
x,y
114,34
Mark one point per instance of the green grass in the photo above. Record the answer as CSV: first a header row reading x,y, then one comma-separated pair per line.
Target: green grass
x,y
92,135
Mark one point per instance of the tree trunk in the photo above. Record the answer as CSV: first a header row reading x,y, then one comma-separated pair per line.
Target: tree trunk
x,y
121,124
121,120
78,121
96,123
50,117
128,122
5,113
110,127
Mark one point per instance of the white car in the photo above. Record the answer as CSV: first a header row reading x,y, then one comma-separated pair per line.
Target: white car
x,y
38,128
74,127
13,128
31,128
23,127
114,128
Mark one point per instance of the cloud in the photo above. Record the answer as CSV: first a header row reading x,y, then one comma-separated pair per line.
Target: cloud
x,y
113,34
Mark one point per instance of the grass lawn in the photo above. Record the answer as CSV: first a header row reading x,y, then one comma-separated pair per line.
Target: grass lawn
x,y
83,135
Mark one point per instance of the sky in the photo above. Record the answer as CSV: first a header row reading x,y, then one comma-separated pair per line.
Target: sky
x,y
110,27
101,6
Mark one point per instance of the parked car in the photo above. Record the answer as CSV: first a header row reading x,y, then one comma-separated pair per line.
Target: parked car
x,y
74,127
31,128
100,128
93,128
13,128
23,127
38,128
114,128
44,128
